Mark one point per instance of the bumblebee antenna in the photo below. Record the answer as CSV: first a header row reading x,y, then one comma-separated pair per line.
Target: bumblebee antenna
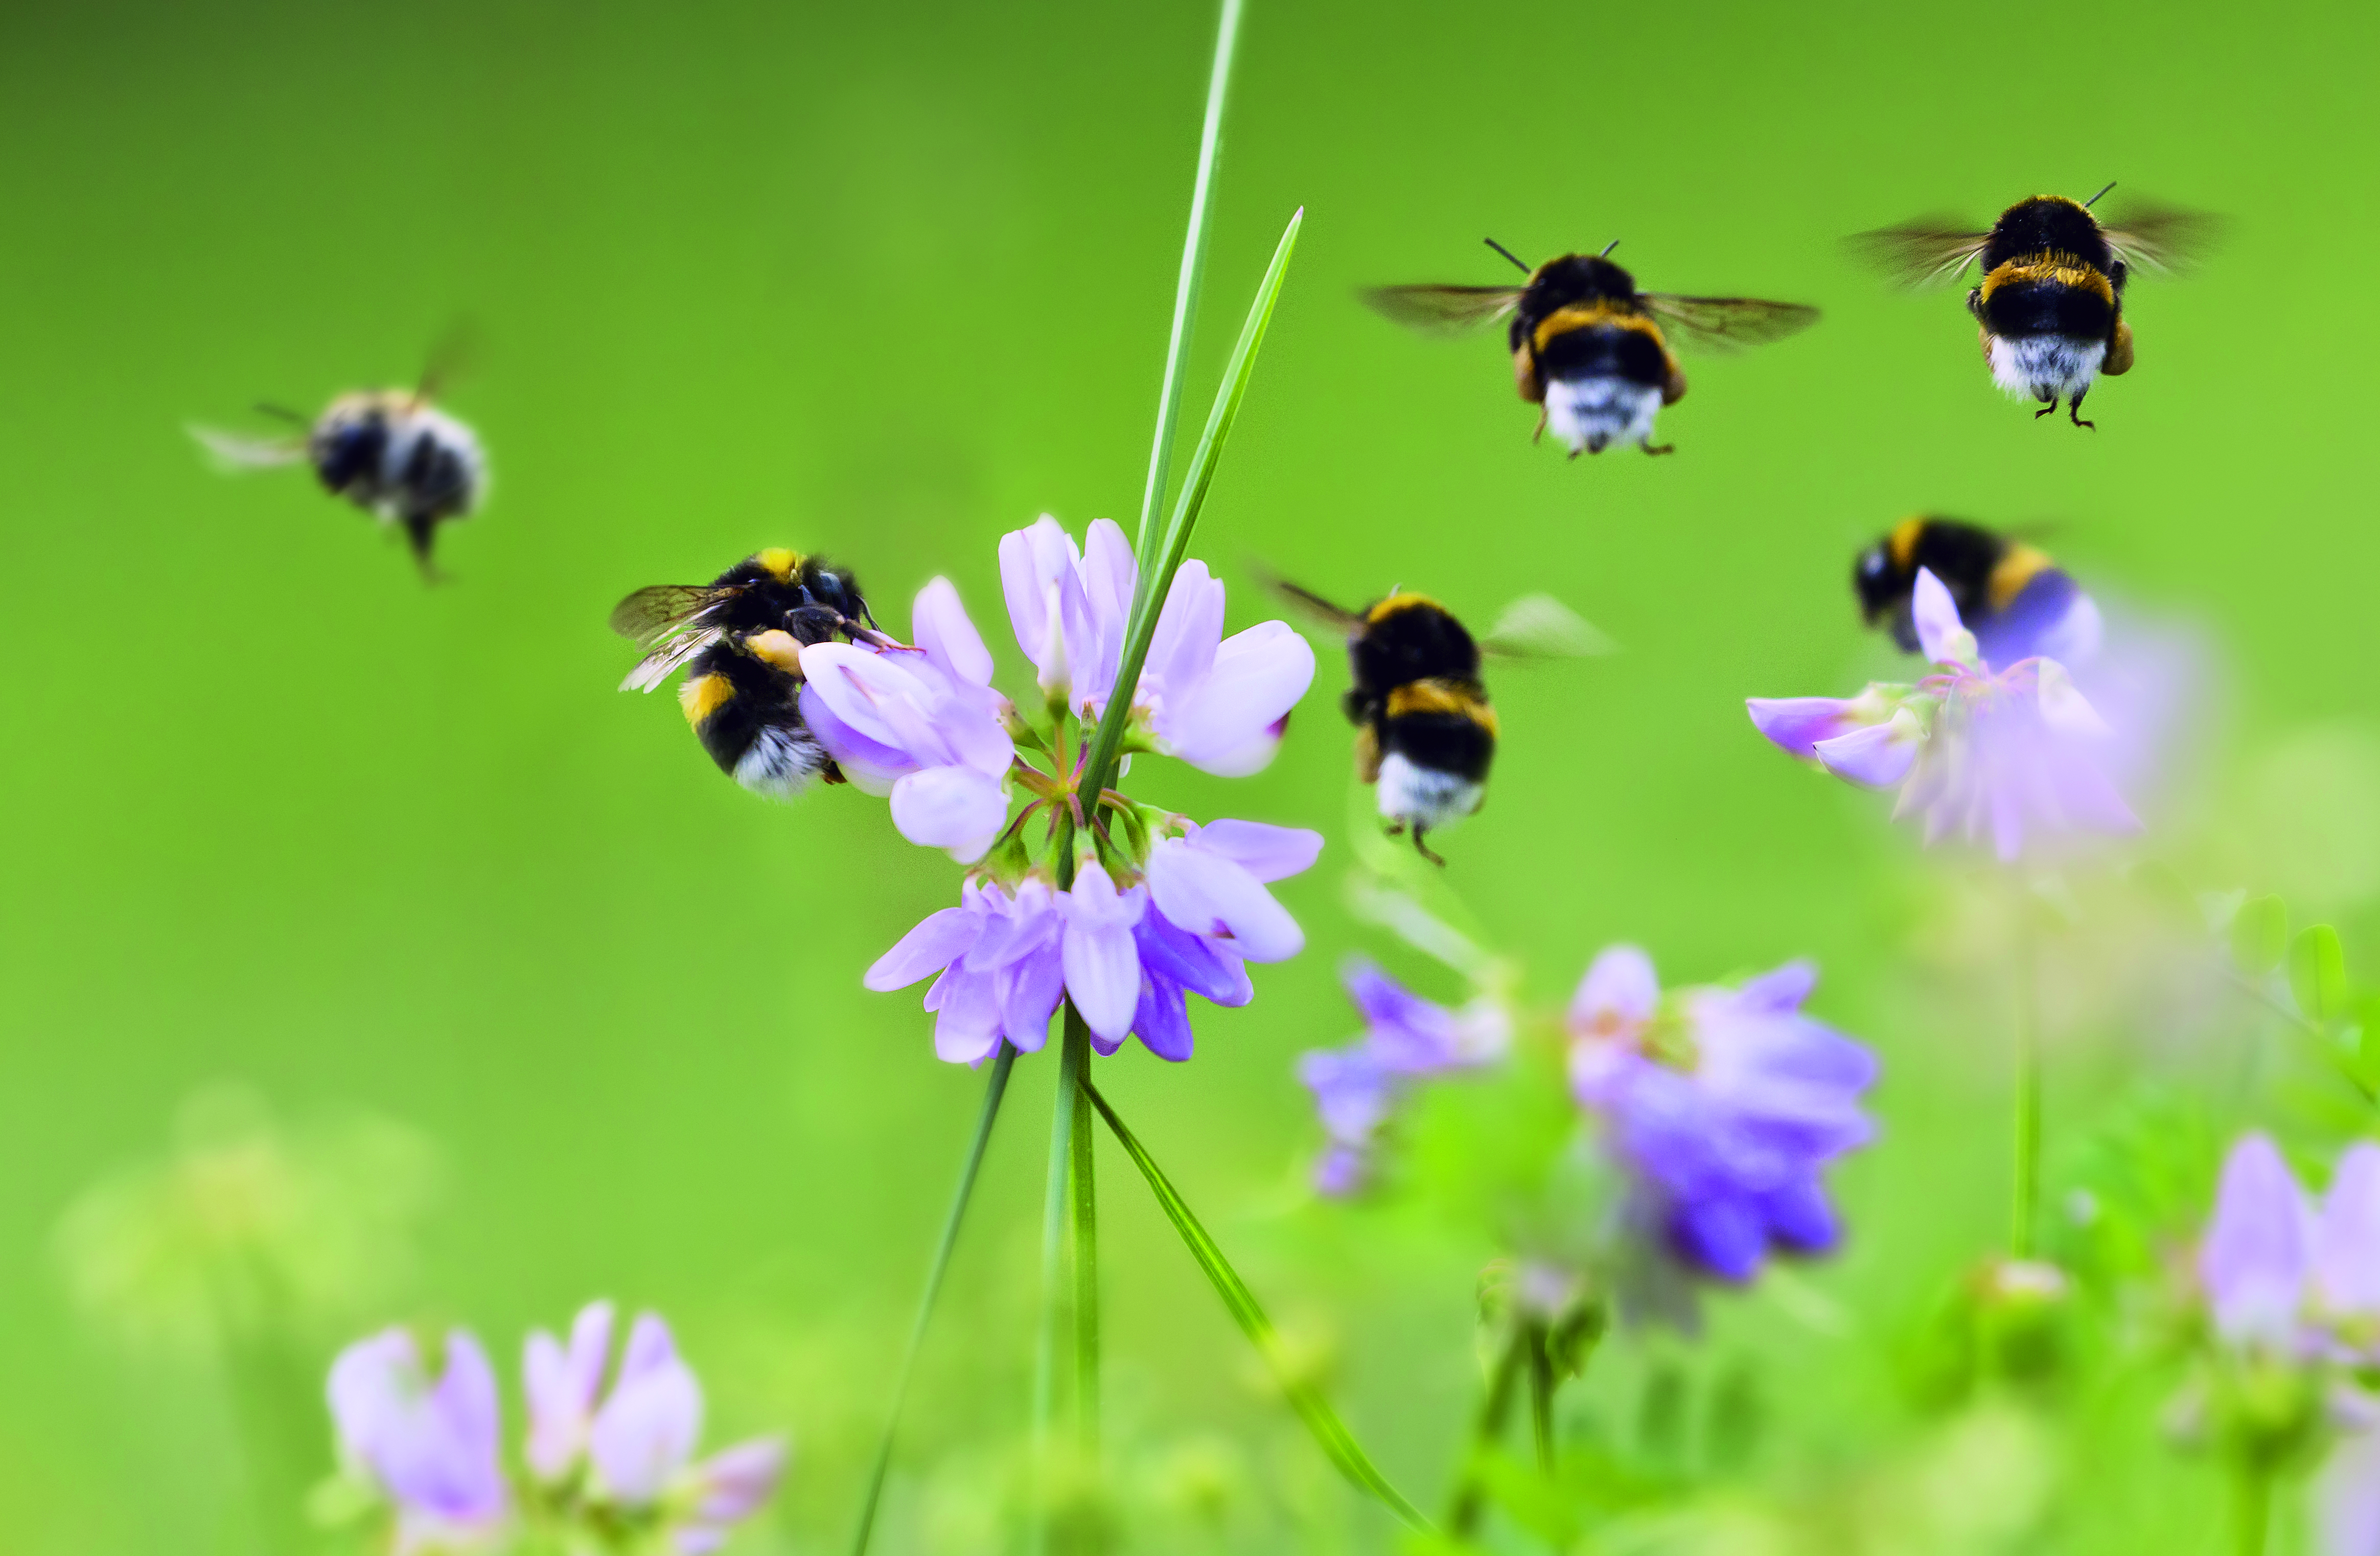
x,y
2094,199
282,413
1608,248
1518,263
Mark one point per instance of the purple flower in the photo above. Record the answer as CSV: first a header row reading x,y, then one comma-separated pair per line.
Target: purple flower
x,y
1725,1109
1127,956
1218,703
1405,1038
1975,752
2286,1276
2347,1492
921,724
636,1444
432,1449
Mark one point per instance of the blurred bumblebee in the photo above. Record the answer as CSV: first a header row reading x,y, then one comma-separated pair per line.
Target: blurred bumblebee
x,y
1588,349
740,639
2049,312
1425,736
390,452
2010,595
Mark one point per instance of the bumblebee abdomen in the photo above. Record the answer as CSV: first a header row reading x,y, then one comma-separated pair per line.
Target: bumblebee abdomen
x,y
1608,345
2050,295
1441,725
749,717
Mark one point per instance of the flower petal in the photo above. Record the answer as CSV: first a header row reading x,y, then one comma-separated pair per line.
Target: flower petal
x,y
2346,1236
1267,852
646,1429
939,624
1940,635
1878,755
2254,1259
954,808
1796,724
1209,895
1619,991
939,940
561,1388
1228,723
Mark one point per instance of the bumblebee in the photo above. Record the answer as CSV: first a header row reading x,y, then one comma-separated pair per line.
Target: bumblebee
x,y
740,639
390,452
1424,734
1588,349
2010,595
2049,312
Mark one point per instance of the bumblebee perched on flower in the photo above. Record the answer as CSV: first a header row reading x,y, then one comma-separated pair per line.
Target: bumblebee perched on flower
x,y
1588,349
390,452
739,637
2049,312
1426,734
2015,600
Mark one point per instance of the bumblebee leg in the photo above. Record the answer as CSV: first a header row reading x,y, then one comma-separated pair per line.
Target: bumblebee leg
x,y
2049,409
1649,446
2074,412
1539,435
1424,849
419,528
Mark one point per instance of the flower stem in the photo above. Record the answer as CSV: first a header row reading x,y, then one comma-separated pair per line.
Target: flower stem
x,y
2252,1510
2025,1189
1187,285
1494,1407
994,1087
1056,1210
1541,1393
1086,1255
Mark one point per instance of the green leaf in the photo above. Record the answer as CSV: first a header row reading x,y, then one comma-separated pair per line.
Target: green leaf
x,y
995,1087
2260,935
1157,572
1330,1434
2318,973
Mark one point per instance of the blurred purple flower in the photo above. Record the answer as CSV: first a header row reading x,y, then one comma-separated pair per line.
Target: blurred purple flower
x,y
921,724
2012,754
1726,1113
1405,1038
2347,1491
2284,1275
638,1443
1218,703
1128,957
432,1449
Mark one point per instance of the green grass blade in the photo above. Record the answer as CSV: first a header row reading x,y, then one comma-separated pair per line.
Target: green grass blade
x,y
1157,572
995,1087
1057,1303
1187,285
1337,1442
1085,1184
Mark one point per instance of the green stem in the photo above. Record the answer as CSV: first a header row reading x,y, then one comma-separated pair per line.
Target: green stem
x,y
1055,1214
1186,287
1541,1393
1328,1431
1495,1408
1086,1258
994,1086
2025,1191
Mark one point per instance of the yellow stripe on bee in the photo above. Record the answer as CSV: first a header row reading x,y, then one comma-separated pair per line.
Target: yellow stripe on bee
x,y
1601,312
776,647
1396,603
779,560
1457,698
702,696
2065,270
1903,542
2018,567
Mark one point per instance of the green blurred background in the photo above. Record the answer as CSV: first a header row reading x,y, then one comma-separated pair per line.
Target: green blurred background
x,y
886,282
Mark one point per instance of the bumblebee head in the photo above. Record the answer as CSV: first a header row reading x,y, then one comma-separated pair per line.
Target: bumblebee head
x,y
348,444
836,590
778,563
1876,581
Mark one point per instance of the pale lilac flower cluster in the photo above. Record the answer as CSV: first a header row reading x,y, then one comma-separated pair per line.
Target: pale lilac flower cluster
x,y
2010,755
602,1460
1160,909
2286,1276
1724,1109
1405,1039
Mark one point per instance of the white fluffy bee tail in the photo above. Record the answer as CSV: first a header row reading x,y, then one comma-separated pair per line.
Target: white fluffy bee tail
x,y
234,452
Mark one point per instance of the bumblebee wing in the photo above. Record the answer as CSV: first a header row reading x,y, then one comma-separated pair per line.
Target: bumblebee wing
x,y
449,359
663,663
1442,310
1922,253
1312,605
652,616
1540,626
1729,323
2162,238
238,451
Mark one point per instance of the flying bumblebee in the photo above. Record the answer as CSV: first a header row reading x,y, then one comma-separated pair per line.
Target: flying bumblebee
x,y
390,452
740,639
2010,595
1425,736
1588,349
2049,312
